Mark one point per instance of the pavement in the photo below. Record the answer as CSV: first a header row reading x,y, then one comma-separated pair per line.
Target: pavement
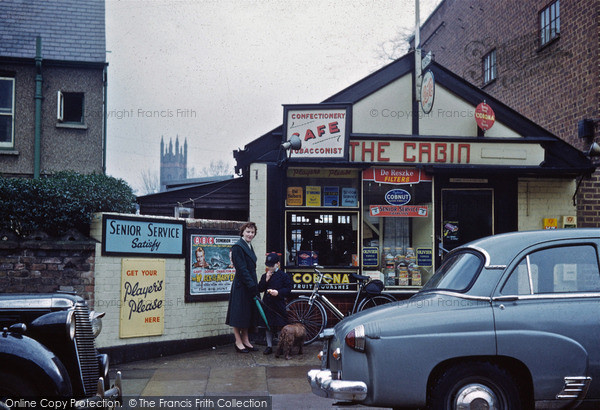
x,y
222,372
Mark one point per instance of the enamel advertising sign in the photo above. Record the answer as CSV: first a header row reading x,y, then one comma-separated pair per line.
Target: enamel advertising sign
x,y
322,131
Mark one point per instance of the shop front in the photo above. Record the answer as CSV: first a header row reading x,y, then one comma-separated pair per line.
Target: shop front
x,y
384,184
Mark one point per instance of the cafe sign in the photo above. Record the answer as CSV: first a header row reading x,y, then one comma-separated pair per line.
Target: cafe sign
x,y
124,235
323,130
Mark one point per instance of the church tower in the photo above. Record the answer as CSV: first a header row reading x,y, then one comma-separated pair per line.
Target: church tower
x,y
173,162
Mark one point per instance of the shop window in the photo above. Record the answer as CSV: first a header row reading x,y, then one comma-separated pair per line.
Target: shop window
x,y
397,224
322,187
489,67
7,112
550,23
324,238
70,107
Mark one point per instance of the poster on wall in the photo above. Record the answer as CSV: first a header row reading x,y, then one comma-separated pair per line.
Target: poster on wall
x,y
142,297
209,270
349,197
323,130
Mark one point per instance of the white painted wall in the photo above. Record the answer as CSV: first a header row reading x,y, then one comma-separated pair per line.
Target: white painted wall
x,y
182,320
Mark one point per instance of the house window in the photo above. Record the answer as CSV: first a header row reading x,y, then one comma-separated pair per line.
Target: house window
x,y
550,23
489,67
7,112
70,107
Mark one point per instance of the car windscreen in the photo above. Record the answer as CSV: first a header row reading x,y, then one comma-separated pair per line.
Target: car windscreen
x,y
457,272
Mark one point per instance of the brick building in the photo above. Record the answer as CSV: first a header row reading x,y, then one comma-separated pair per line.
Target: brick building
x,y
52,87
541,57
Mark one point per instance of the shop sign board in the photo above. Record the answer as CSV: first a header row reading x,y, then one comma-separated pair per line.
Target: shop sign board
x,y
370,257
427,92
397,197
484,116
445,152
424,257
142,297
331,196
124,235
322,129
396,176
405,211
349,197
333,281
313,196
295,196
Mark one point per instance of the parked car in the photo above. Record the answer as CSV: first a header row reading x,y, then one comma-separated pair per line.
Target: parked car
x,y
510,321
47,350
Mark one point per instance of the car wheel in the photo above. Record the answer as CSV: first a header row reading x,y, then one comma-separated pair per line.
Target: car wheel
x,y
475,385
13,386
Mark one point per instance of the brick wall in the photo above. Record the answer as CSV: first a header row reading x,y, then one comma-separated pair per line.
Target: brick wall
x,y
43,265
555,86
547,198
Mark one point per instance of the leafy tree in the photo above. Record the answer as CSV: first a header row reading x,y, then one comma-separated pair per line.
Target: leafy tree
x,y
60,202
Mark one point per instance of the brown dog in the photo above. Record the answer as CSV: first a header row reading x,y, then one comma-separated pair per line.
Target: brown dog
x,y
290,336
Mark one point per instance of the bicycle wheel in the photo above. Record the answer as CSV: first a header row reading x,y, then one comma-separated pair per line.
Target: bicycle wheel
x,y
376,300
312,316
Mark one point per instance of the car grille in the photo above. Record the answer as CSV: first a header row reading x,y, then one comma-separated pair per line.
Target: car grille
x,y
86,350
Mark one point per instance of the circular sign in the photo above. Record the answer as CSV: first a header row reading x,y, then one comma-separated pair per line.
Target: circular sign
x,y
485,117
427,92
397,197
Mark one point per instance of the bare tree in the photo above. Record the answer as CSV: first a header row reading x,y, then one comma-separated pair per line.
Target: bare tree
x,y
215,168
150,182
396,47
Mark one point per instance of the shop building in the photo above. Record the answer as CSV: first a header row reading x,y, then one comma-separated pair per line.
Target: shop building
x,y
391,175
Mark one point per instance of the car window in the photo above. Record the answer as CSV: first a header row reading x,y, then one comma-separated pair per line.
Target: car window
x,y
556,270
456,273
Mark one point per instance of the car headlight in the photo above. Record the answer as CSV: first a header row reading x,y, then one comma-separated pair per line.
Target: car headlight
x,y
71,324
96,320
356,338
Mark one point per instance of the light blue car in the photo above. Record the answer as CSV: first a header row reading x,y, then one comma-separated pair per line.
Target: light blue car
x,y
507,322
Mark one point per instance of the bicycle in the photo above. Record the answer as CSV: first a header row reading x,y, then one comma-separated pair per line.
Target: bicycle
x,y
310,310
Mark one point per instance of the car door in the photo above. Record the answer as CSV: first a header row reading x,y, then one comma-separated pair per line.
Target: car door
x,y
547,315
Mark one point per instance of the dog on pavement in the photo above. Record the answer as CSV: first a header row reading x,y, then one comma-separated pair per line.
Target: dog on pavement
x,y
291,335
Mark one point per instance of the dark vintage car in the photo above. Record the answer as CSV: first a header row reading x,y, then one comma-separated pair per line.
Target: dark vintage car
x,y
47,350
507,322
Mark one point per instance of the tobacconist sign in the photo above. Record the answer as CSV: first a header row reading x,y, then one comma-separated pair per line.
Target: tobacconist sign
x,y
122,235
322,129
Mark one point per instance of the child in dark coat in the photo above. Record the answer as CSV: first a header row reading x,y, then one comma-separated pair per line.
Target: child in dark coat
x,y
277,285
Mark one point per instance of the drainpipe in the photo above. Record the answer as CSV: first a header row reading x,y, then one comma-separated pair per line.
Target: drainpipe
x,y
38,108
105,119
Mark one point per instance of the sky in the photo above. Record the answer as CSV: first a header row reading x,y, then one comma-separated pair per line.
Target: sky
x,y
217,72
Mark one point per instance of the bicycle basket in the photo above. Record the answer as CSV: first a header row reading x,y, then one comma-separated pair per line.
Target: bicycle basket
x,y
374,287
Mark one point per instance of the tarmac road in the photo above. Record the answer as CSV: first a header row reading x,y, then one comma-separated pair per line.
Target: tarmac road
x,y
222,372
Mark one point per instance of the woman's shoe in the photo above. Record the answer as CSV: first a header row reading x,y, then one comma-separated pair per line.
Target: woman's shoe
x,y
268,350
244,350
250,349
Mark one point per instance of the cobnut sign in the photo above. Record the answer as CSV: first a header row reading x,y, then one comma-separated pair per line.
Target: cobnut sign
x,y
484,116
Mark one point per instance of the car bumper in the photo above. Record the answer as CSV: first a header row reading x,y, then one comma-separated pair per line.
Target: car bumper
x,y
323,385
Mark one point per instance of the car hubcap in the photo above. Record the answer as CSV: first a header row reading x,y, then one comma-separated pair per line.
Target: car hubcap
x,y
476,397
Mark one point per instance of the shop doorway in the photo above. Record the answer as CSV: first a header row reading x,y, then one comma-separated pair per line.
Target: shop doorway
x,y
467,214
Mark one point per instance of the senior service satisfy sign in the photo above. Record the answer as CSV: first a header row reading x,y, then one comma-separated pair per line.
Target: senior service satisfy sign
x,y
124,235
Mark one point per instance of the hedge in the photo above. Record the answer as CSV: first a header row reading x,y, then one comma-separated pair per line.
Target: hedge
x,y
60,202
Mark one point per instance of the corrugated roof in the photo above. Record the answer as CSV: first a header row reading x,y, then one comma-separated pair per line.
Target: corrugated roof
x,y
71,30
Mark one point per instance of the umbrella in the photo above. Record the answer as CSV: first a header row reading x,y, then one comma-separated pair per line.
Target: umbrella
x,y
261,311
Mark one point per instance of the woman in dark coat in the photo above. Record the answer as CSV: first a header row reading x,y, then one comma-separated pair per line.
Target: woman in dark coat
x,y
277,285
242,313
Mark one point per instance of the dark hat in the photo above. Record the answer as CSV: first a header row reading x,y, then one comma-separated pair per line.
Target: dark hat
x,y
272,259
